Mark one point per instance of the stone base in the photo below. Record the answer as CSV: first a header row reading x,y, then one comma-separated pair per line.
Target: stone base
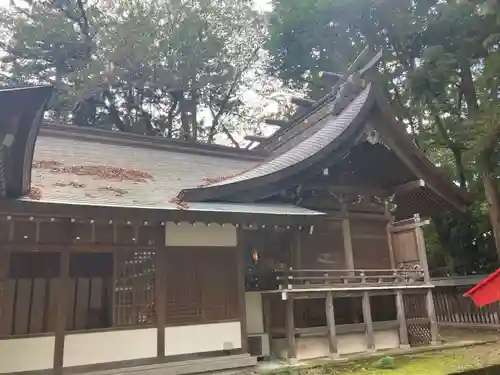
x,y
435,342
404,347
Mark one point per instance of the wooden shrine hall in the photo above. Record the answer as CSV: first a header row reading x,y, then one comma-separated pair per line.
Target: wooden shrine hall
x,y
121,250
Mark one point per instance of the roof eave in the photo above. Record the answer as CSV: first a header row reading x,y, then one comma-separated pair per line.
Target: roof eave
x,y
23,107
434,180
348,136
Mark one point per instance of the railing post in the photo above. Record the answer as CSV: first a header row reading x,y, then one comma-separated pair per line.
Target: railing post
x,y
330,320
403,330
290,330
367,318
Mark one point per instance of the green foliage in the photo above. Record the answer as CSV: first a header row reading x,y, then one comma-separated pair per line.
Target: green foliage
x,y
385,363
440,68
167,67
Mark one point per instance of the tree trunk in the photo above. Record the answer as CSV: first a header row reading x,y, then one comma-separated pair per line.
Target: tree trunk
x,y
185,128
492,197
193,110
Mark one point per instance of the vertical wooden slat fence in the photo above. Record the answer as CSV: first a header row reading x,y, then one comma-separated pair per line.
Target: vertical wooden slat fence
x,y
453,309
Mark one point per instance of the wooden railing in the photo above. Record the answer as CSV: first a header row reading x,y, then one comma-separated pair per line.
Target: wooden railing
x,y
307,278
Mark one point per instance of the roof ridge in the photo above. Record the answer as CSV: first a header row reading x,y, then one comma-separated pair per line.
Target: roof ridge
x,y
328,99
52,129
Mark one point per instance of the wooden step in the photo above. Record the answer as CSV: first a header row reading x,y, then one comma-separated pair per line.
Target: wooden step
x,y
194,366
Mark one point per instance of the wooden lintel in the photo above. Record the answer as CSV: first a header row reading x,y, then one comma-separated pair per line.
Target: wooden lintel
x,y
256,138
151,215
409,186
276,122
346,189
303,102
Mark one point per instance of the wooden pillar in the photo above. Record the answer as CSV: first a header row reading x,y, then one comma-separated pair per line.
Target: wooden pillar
x,y
348,252
388,231
161,299
4,304
267,317
432,317
242,308
60,322
403,330
330,321
290,330
296,250
367,318
422,255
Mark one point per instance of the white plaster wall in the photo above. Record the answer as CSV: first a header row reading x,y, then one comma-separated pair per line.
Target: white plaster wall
x,y
255,318
309,347
200,234
101,347
202,338
352,343
26,354
387,339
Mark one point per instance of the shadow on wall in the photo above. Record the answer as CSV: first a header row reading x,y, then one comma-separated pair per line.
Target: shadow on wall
x,y
491,370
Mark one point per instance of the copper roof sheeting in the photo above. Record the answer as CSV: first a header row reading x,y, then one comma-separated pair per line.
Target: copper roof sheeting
x,y
103,172
332,133
327,137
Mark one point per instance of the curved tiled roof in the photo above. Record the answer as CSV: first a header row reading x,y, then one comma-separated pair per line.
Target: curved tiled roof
x,y
304,154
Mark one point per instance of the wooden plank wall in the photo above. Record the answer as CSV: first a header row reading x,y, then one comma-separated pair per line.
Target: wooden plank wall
x,y
202,285
370,244
405,247
324,248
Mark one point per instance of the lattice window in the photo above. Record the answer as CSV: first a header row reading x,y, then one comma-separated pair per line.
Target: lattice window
x,y
135,288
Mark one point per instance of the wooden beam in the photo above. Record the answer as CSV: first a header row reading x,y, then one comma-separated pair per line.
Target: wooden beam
x,y
429,302
330,321
303,102
256,138
240,264
63,295
409,186
5,303
276,122
345,189
347,237
367,317
403,330
290,330
388,233
267,317
161,298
